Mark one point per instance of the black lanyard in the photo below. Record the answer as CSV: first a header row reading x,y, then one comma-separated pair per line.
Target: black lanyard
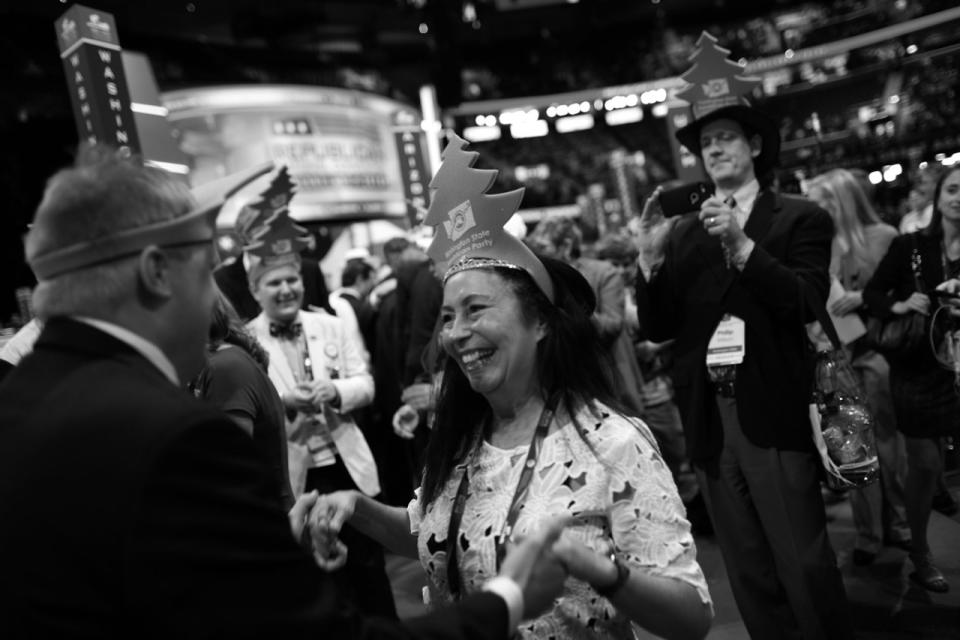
x,y
459,503
305,359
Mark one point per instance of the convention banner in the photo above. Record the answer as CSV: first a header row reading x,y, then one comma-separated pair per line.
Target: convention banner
x,y
340,146
90,50
414,174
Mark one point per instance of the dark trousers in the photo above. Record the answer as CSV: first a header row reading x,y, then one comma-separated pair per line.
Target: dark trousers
x,y
362,581
770,523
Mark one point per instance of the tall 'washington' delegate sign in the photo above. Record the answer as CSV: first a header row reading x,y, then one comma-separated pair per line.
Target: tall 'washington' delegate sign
x,y
90,50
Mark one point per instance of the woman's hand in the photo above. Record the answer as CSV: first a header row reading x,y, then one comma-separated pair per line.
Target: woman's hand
x,y
919,302
405,421
592,566
847,303
951,286
419,396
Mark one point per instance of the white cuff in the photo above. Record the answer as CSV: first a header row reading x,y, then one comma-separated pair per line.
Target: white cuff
x,y
512,595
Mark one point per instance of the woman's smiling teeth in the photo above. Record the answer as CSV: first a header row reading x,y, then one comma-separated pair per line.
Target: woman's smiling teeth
x,y
473,360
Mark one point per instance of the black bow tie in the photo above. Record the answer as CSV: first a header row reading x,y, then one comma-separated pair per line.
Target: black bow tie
x,y
289,331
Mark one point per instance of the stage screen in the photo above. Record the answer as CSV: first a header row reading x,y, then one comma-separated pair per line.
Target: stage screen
x,y
341,146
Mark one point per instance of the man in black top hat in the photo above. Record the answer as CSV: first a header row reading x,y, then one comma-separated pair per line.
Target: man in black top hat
x,y
727,284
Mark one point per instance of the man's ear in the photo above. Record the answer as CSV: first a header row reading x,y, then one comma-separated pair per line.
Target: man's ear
x,y
756,145
154,271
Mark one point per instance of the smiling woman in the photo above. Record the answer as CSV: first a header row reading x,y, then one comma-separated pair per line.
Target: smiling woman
x,y
526,429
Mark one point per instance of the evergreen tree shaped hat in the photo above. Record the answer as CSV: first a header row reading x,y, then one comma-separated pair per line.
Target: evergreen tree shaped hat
x,y
270,236
716,91
470,222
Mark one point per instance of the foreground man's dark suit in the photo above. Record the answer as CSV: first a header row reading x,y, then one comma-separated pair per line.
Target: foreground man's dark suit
x,y
754,454
130,510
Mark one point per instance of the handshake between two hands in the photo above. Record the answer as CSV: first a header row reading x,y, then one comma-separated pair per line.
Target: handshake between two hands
x,y
538,563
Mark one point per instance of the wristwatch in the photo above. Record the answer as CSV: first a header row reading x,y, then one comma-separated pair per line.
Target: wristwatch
x,y
623,572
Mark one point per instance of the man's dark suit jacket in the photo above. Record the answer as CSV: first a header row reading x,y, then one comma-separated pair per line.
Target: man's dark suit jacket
x,y
692,290
232,280
366,318
419,297
130,510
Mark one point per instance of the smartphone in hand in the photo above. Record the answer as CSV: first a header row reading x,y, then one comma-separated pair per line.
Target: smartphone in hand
x,y
684,199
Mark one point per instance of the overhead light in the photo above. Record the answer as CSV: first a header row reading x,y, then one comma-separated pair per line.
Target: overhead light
x,y
534,129
911,49
423,28
623,116
481,134
574,123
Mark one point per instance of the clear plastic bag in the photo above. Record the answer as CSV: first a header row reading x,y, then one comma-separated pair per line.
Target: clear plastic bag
x,y
842,424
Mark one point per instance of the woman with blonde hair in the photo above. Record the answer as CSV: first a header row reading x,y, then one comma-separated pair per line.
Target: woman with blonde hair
x,y
860,242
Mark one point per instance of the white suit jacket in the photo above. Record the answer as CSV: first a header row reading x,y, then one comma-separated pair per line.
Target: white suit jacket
x,y
331,348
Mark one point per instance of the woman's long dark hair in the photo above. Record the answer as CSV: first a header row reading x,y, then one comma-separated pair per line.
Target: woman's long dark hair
x,y
227,328
569,362
935,228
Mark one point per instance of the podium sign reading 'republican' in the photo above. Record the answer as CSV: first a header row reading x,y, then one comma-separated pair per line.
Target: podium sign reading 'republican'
x,y
90,50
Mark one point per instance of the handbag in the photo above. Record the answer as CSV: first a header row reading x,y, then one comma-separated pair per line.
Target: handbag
x,y
900,336
840,422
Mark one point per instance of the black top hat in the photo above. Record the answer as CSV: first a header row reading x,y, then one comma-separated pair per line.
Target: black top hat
x,y
753,121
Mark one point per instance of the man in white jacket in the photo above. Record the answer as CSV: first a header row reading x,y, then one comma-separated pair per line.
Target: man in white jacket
x,y
319,370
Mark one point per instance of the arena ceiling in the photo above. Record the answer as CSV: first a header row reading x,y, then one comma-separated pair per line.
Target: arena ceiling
x,y
205,41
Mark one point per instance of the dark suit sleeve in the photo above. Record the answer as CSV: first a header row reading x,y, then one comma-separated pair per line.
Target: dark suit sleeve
x,y
777,284
658,307
211,555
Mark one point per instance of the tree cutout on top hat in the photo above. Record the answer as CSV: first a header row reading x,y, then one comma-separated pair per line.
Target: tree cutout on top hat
x,y
469,222
714,80
255,215
270,231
